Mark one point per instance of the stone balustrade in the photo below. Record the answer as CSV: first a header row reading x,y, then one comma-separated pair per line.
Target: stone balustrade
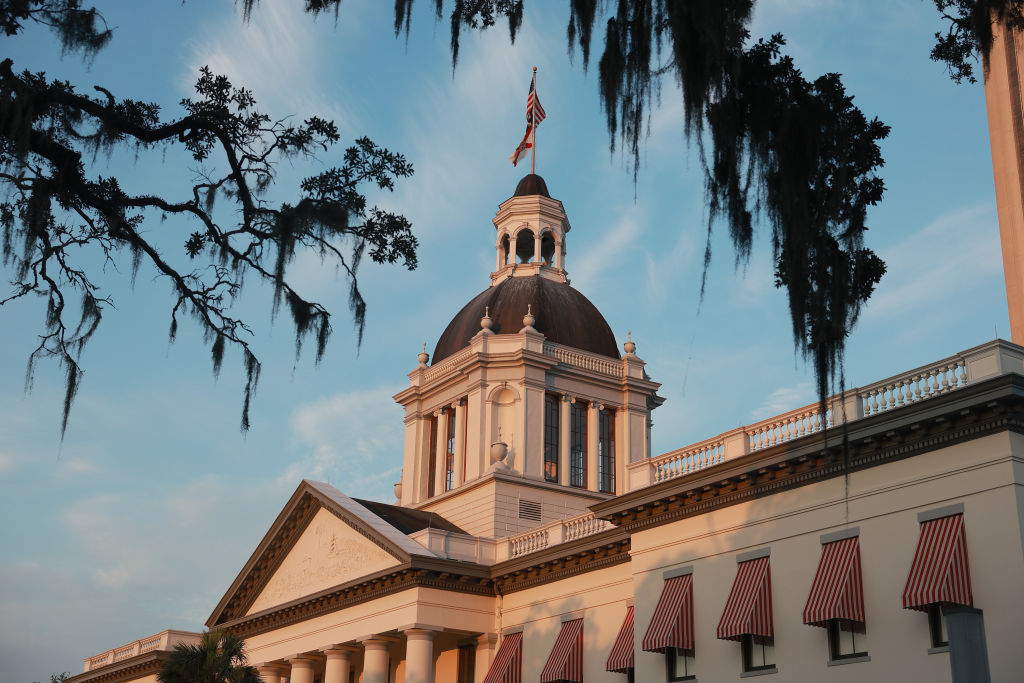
x,y
581,359
164,641
552,534
994,358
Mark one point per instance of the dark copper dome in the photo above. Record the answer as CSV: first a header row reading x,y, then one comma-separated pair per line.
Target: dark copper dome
x,y
531,184
562,314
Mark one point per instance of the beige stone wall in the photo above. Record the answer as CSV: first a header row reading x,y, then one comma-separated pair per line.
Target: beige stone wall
x,y
491,508
884,502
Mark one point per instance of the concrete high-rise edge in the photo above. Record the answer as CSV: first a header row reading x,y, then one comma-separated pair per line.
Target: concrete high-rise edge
x,y
1003,70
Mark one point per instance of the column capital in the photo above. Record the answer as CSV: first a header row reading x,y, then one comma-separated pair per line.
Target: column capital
x,y
338,652
419,634
300,661
375,644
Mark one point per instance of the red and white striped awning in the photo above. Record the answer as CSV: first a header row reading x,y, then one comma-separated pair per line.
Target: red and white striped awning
x,y
565,663
620,659
939,572
749,607
672,623
507,666
837,591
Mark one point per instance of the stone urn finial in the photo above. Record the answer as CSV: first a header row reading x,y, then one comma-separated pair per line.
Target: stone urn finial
x,y
528,319
423,356
486,322
629,346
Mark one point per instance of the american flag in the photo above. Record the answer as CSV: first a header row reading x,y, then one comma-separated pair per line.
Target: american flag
x,y
534,115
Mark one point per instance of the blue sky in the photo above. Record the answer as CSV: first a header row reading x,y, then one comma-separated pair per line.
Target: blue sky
x,y
141,518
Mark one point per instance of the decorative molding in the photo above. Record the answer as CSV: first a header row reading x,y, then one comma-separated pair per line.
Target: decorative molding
x,y
282,541
342,597
583,560
125,670
999,407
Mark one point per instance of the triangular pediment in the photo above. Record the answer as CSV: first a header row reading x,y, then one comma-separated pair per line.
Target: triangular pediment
x,y
321,539
329,552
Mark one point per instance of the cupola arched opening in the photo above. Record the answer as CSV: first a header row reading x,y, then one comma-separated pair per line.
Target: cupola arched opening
x,y
525,241
548,247
505,249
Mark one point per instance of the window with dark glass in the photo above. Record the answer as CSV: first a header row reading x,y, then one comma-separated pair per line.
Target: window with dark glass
x,y
578,444
551,449
937,625
679,664
432,458
846,639
449,455
606,451
758,653
467,664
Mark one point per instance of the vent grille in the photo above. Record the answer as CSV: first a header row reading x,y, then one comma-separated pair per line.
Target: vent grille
x,y
529,510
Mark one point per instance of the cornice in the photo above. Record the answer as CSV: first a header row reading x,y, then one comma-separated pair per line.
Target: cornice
x,y
990,407
565,560
446,575
125,670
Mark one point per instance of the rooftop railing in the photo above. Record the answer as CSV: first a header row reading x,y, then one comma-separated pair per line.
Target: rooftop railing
x,y
920,384
163,641
562,531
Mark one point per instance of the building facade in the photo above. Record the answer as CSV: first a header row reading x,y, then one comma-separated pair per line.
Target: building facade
x,y
534,537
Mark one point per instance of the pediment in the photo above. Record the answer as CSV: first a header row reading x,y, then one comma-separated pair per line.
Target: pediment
x,y
329,552
321,539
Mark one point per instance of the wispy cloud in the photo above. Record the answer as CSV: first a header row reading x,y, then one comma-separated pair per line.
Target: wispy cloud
x,y
353,437
618,240
945,258
276,54
783,400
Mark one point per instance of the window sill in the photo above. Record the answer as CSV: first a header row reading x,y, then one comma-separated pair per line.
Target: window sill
x,y
938,650
760,672
849,660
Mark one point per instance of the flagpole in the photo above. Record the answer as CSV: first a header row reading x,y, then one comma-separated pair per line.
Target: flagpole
x,y
533,134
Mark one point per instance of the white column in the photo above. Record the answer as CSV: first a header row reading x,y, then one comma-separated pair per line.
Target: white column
x,y
337,667
271,674
592,436
486,646
375,661
439,452
563,440
419,656
302,670
536,246
460,443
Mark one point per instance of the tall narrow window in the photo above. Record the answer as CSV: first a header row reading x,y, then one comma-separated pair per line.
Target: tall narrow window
x,y
449,451
578,445
606,451
551,446
432,458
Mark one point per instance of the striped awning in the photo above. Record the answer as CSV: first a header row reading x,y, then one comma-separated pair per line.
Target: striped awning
x,y
507,666
621,657
672,623
939,572
749,607
565,663
837,591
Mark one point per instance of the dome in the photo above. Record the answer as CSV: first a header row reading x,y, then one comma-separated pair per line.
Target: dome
x,y
563,315
531,184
